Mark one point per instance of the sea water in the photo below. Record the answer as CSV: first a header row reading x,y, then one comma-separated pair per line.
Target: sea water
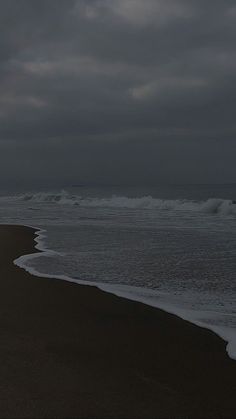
x,y
172,247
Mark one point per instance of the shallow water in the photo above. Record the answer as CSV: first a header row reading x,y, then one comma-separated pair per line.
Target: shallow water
x,y
173,247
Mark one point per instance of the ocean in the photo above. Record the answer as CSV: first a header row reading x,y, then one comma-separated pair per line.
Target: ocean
x,y
169,246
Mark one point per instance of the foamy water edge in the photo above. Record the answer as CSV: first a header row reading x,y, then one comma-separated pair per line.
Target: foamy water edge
x,y
142,295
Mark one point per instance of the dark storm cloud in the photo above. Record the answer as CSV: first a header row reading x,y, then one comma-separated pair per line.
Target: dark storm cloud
x,y
116,91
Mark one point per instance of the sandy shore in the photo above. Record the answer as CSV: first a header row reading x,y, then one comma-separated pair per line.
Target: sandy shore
x,y
74,351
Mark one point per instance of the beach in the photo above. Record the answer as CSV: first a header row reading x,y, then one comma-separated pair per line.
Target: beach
x,y
69,350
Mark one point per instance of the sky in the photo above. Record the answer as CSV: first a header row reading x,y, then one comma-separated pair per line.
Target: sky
x,y
133,92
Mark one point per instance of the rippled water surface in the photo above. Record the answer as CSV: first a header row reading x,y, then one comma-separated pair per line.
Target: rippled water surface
x,y
171,246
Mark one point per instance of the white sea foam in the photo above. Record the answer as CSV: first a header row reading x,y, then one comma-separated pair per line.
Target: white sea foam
x,y
210,206
147,296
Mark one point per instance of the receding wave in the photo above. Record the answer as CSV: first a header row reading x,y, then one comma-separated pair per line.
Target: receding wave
x,y
210,206
154,298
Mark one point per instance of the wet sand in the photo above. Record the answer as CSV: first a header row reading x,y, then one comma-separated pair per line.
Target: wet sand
x,y
75,351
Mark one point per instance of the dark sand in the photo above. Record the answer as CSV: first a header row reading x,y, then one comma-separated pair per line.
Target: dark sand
x,y
74,351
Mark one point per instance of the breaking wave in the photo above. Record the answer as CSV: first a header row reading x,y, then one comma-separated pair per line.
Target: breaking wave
x,y
210,206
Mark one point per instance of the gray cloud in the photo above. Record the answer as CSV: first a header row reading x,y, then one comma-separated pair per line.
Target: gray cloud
x,y
117,91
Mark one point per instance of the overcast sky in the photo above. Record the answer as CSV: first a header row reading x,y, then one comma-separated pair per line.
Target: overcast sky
x,y
117,91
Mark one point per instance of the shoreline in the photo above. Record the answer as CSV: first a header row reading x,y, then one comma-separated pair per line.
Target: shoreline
x,y
118,291
77,351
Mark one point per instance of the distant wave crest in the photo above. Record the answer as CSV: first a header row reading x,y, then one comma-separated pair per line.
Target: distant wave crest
x,y
211,205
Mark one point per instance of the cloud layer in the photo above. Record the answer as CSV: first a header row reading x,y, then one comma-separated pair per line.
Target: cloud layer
x,y
117,91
